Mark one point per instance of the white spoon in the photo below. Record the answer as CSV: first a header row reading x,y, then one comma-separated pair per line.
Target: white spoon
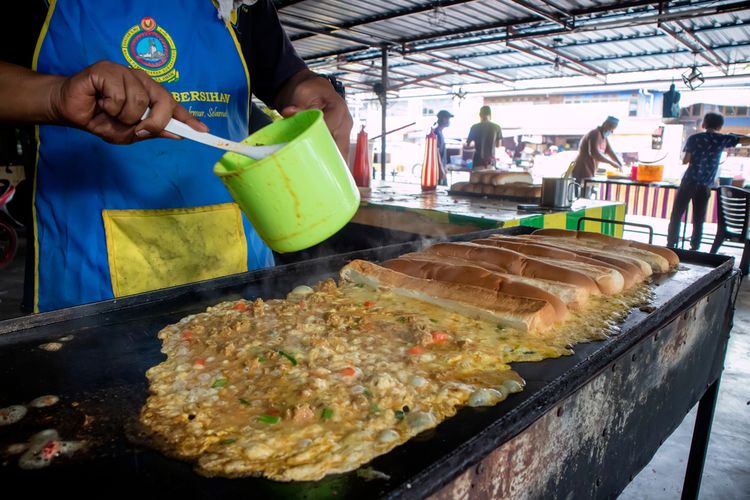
x,y
183,130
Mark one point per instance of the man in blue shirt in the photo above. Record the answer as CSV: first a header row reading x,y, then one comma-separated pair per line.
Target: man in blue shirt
x,y
443,121
702,152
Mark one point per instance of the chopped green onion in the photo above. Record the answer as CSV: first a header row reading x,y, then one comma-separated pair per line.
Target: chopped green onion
x,y
367,393
434,320
245,402
219,382
359,285
399,414
262,359
224,442
500,328
327,413
401,319
269,419
374,408
289,357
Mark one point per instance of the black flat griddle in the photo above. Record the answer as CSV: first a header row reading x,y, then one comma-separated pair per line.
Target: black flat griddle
x,y
99,376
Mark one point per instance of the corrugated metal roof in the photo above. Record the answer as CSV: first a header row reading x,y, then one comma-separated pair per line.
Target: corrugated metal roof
x,y
459,42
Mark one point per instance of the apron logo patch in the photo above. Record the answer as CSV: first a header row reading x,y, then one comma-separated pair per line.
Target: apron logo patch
x,y
149,47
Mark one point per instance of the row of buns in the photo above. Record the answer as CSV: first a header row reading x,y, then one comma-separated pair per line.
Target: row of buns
x,y
528,282
512,190
499,177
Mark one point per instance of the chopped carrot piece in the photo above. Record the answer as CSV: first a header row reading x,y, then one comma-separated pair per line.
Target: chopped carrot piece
x,y
347,372
368,303
440,337
416,350
200,362
240,306
187,335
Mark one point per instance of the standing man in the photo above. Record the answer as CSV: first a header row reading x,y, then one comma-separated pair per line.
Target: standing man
x,y
594,146
702,153
486,136
443,121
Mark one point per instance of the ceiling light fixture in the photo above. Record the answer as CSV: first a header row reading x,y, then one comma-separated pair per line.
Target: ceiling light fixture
x,y
693,78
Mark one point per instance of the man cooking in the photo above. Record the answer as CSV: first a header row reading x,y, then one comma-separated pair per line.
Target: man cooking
x,y
110,221
594,146
443,121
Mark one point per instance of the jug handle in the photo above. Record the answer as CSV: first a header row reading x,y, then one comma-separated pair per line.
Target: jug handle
x,y
575,193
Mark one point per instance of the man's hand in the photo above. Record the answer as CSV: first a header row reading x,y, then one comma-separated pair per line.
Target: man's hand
x,y
306,90
108,100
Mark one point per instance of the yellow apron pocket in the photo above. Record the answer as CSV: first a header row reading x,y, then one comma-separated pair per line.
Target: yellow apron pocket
x,y
151,249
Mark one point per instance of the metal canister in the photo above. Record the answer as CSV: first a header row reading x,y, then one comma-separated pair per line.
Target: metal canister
x,y
559,192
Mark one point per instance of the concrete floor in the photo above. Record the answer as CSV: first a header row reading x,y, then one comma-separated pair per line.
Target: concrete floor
x,y
727,472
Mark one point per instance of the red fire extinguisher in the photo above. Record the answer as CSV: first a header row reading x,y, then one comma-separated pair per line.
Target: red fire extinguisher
x,y
430,163
361,170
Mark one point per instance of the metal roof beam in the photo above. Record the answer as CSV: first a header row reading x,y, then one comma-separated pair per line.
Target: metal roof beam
x,y
391,14
619,20
554,7
566,57
391,70
530,8
331,33
693,36
673,34
575,69
463,73
420,79
477,72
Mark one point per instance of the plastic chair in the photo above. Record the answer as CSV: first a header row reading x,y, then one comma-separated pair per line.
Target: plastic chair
x,y
734,216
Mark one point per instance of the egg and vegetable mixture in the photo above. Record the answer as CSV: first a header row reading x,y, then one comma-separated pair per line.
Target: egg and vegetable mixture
x,y
332,377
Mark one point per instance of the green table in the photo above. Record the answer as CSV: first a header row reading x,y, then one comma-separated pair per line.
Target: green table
x,y
405,207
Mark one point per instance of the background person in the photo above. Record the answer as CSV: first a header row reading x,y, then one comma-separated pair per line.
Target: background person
x,y
595,148
486,136
443,121
702,153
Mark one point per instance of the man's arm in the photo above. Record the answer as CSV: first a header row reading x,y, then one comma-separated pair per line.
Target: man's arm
x,y
471,138
594,150
106,99
613,155
499,137
280,78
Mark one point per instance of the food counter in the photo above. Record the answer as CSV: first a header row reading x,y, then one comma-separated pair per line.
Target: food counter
x,y
650,199
403,207
583,427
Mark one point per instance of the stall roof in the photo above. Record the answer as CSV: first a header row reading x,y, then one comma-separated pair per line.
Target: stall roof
x,y
448,43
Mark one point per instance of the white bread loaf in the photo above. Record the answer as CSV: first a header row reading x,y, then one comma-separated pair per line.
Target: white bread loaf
x,y
656,262
508,310
630,272
511,262
459,187
611,241
502,178
575,297
476,276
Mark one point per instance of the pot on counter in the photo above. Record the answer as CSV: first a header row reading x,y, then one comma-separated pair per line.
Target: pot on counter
x,y
559,192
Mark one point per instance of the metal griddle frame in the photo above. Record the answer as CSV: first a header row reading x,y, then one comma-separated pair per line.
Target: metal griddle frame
x,y
115,342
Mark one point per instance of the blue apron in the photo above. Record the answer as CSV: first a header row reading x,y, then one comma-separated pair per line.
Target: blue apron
x,y
115,220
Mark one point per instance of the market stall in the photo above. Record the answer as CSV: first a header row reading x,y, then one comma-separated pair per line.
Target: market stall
x,y
576,428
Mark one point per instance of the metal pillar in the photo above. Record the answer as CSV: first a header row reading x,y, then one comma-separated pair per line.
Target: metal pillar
x,y
383,105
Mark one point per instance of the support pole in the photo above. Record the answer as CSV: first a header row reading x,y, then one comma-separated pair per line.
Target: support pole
x,y
383,105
